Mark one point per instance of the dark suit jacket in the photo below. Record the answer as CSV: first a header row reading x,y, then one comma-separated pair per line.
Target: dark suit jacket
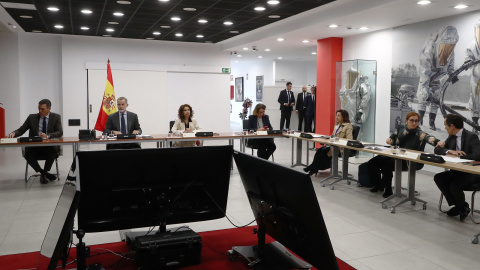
x,y
113,123
252,122
300,102
470,145
283,98
310,106
54,127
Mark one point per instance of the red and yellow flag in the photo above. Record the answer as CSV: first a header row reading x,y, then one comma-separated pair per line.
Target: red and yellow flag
x,y
109,103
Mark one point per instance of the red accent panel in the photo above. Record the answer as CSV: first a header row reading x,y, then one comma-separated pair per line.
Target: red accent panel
x,y
329,52
2,122
231,92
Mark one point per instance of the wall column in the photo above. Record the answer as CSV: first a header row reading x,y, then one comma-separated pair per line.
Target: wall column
x,y
329,51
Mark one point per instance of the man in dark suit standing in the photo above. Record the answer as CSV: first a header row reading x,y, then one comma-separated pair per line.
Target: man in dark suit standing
x,y
300,106
47,125
123,122
310,109
287,101
464,144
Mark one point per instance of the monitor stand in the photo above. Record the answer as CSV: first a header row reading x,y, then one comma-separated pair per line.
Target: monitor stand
x,y
81,254
267,256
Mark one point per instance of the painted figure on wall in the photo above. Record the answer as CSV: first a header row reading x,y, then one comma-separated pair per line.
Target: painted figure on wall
x,y
472,54
355,96
436,64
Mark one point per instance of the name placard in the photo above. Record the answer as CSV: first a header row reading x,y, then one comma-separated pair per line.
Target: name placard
x,y
8,140
296,134
188,135
341,142
262,132
411,155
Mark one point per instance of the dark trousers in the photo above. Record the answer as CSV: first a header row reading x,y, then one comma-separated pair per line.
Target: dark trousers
x,y
285,118
265,147
47,153
309,120
452,183
380,171
321,160
301,119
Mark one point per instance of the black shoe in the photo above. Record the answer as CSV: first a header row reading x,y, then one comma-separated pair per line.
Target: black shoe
x,y
464,213
453,212
388,192
306,169
375,189
50,176
43,179
312,173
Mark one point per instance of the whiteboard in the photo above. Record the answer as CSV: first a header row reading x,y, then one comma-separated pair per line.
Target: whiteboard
x,y
156,96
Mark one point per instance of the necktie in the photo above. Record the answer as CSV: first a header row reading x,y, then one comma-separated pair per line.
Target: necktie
x,y
288,97
454,145
303,97
44,126
123,127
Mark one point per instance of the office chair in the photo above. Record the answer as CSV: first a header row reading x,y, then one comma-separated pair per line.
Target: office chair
x,y
474,188
60,153
249,144
351,153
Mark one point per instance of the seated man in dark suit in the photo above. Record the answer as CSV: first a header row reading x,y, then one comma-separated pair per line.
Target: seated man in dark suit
x,y
123,122
464,144
47,125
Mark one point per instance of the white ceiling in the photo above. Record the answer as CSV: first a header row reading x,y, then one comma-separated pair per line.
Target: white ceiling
x,y
350,15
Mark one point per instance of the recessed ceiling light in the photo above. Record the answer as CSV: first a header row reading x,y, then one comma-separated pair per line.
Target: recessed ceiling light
x,y
163,0
165,26
234,32
175,19
363,28
239,55
189,9
36,31
119,14
199,36
333,26
280,58
461,6
305,41
121,2
202,21
112,22
313,53
260,56
156,33
58,26
110,30
280,39
53,8
84,28
179,34
274,16
259,8
26,17
107,35
228,23
86,11
149,38
267,50
245,49
273,2
424,2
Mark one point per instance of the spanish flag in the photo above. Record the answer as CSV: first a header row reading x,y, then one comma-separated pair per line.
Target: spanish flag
x,y
109,103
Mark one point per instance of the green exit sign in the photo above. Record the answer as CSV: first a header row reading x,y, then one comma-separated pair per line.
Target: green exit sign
x,y
225,70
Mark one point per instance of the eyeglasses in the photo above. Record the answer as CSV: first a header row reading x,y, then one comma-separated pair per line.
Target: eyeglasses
x,y
413,121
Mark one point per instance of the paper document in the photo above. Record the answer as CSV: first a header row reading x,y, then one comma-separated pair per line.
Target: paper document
x,y
455,159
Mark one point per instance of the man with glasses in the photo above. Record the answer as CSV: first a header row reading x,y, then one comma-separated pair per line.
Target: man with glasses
x,y
463,144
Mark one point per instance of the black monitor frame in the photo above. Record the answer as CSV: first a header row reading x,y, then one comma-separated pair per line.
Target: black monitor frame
x,y
125,189
285,207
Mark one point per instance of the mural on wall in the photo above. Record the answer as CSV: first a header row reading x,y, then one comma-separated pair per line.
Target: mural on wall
x,y
259,88
239,89
436,71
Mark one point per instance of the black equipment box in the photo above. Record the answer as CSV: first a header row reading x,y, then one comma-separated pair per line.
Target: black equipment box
x,y
126,136
166,250
274,132
86,135
306,135
204,134
31,139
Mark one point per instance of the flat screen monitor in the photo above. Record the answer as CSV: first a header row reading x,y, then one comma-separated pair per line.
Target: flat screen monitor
x,y
285,205
59,232
124,189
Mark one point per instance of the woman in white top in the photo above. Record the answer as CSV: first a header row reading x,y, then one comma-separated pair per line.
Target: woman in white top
x,y
185,123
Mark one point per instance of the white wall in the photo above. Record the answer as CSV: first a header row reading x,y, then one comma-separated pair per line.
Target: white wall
x,y
9,80
299,73
375,46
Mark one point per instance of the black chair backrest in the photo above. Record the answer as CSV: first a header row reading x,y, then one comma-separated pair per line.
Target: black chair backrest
x,y
356,131
245,124
171,125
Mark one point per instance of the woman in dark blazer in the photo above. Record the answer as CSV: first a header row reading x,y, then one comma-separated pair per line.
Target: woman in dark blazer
x,y
323,156
259,121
